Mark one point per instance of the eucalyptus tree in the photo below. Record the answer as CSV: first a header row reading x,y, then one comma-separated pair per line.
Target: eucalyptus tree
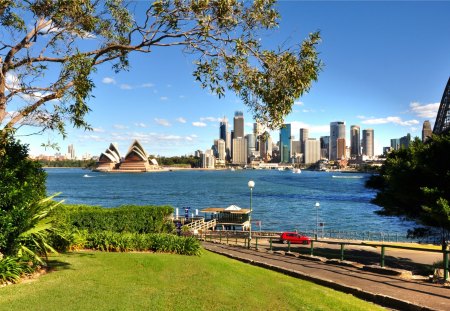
x,y
49,50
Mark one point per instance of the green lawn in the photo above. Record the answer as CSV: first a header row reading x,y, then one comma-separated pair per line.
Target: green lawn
x,y
150,281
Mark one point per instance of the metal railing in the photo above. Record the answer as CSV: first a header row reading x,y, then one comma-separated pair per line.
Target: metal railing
x,y
242,239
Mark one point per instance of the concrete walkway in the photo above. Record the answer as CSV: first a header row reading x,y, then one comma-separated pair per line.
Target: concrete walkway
x,y
389,291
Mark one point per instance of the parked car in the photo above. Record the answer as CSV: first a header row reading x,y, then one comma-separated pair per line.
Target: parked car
x,y
294,238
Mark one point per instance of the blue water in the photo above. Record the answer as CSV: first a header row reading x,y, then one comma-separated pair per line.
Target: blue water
x,y
281,200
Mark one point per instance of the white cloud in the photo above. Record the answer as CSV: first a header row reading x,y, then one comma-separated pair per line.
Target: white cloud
x,y
181,120
199,124
313,129
299,103
140,124
120,126
98,130
164,98
162,122
108,80
425,110
12,81
194,136
394,120
125,86
181,97
147,85
211,119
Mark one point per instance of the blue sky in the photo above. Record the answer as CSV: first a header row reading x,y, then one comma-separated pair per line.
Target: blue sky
x,y
386,66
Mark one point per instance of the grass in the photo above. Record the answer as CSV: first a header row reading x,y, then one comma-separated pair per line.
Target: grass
x,y
153,281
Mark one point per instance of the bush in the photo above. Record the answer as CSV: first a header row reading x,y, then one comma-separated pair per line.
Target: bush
x,y
121,242
126,218
11,270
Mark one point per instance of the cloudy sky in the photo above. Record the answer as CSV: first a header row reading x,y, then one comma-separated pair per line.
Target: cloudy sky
x,y
386,66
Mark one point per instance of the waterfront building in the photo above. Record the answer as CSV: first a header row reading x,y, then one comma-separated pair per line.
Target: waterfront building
x,y
208,159
251,149
395,143
136,159
239,151
442,123
219,149
324,147
238,124
304,135
225,135
355,141
337,131
285,143
198,153
368,143
110,159
405,141
312,151
71,152
341,149
426,130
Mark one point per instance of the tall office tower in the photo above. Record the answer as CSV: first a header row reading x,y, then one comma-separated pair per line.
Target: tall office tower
x,y
304,135
312,151
337,131
355,141
368,143
285,143
265,150
238,124
395,143
223,129
295,146
324,147
405,140
240,151
426,130
250,144
71,152
340,149
258,130
228,146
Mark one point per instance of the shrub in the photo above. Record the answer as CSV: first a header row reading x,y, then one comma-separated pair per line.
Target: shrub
x,y
11,270
126,218
161,242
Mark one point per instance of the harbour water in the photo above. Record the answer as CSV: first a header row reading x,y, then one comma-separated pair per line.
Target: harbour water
x,y
281,200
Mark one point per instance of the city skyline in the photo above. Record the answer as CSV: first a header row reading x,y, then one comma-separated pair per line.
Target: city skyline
x,y
384,76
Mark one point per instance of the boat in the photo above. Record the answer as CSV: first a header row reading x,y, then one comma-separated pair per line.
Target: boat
x,y
296,171
87,176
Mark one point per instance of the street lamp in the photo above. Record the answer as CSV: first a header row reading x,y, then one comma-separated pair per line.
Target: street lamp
x,y
317,218
251,185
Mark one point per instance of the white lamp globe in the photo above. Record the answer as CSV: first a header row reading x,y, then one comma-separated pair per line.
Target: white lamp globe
x,y
251,184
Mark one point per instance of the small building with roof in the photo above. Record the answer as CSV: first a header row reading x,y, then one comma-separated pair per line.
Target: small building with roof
x,y
228,218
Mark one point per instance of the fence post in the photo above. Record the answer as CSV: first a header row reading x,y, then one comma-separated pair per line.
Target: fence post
x,y
312,247
289,246
446,265
227,237
270,242
342,251
382,257
220,237
256,244
235,237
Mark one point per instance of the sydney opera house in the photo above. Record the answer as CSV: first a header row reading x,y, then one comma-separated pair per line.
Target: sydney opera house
x,y
136,160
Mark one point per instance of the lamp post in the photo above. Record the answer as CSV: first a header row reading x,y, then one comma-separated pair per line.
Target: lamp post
x,y
317,218
251,185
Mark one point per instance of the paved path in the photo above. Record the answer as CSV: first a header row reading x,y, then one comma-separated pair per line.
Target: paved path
x,y
389,291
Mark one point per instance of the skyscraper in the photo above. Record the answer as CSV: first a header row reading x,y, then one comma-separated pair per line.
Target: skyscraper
x,y
337,131
250,144
71,152
240,151
238,124
395,143
285,143
368,142
355,141
341,149
225,136
304,135
325,147
312,151
426,130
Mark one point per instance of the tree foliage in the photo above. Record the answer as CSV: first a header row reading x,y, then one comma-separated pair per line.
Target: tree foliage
x,y
23,207
50,48
415,182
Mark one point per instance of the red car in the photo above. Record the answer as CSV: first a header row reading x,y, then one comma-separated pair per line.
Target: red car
x,y
294,238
